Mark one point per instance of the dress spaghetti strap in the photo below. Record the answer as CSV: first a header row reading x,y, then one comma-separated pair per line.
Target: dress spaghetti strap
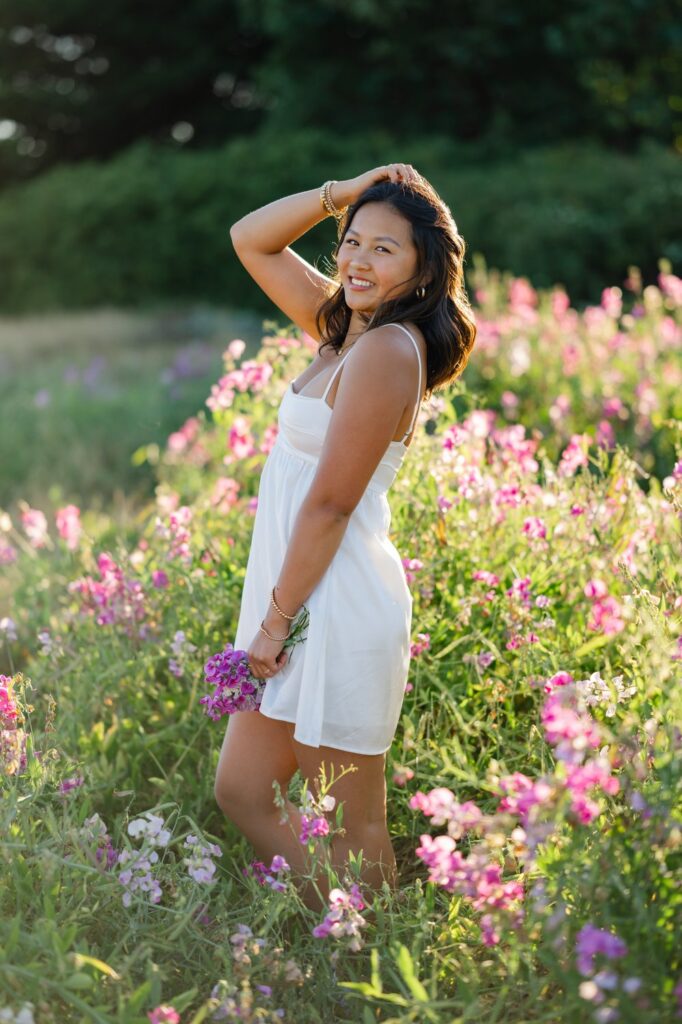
x,y
419,392
331,379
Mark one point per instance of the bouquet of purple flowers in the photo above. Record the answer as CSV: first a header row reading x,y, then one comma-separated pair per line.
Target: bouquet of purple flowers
x,y
234,688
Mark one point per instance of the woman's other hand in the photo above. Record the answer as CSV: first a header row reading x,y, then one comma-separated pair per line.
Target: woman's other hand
x,y
352,188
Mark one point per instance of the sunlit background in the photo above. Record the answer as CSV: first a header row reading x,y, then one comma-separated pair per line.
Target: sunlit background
x,y
133,135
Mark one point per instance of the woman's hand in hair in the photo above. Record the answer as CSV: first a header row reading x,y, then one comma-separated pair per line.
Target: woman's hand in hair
x,y
351,189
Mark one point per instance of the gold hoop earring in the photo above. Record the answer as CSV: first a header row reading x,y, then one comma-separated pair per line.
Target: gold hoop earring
x,y
421,291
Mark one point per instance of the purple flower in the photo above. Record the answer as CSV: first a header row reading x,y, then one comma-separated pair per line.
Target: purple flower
x,y
235,689
313,827
66,785
591,941
343,918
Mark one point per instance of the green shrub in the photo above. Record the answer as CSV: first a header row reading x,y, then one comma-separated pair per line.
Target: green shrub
x,y
153,223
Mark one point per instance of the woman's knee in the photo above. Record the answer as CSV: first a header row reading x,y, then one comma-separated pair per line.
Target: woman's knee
x,y
256,752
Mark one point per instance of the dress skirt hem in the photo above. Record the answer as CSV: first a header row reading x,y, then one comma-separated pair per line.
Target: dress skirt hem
x,y
364,753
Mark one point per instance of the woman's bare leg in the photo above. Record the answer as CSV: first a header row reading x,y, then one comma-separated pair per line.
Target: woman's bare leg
x,y
363,794
258,750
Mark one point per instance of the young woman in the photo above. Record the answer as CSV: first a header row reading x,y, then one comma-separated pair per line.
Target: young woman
x,y
395,323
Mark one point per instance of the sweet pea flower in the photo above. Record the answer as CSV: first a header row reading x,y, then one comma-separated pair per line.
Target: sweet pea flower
x,y
164,1015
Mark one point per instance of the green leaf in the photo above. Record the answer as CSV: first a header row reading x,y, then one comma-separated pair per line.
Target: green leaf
x,y
79,980
406,968
591,645
375,975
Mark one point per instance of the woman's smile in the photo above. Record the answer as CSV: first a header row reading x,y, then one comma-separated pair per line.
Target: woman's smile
x,y
359,284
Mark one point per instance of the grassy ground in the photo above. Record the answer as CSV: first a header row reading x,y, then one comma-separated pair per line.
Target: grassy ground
x,y
80,392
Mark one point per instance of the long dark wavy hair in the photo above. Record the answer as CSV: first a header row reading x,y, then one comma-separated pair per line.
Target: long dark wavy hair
x,y
444,315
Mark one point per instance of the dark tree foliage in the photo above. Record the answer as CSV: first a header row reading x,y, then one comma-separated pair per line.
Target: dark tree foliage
x,y
84,79
80,79
523,73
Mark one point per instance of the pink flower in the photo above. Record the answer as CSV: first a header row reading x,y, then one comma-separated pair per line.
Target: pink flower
x,y
113,599
35,526
612,302
523,795
164,1015
574,455
240,439
566,728
595,588
606,617
181,439
159,579
411,566
401,776
560,678
534,527
176,531
69,525
522,295
421,644
225,493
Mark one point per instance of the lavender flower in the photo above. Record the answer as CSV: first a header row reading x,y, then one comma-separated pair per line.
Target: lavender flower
x,y
200,867
592,941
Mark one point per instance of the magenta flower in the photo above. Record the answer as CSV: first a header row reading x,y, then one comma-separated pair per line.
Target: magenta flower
x,y
113,599
570,731
313,827
523,795
606,616
9,711
269,876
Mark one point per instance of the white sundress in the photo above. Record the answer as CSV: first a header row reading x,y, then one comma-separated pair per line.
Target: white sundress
x,y
344,685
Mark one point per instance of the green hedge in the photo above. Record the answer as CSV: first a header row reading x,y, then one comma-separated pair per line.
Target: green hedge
x,y
152,224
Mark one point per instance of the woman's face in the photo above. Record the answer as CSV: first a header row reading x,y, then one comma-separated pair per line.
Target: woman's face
x,y
377,249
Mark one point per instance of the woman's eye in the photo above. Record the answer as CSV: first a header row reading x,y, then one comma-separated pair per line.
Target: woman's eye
x,y
349,241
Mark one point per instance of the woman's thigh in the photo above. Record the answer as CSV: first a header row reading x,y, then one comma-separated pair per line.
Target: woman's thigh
x,y
362,791
256,751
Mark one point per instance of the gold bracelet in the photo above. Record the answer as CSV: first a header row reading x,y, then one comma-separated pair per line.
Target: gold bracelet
x,y
269,635
328,204
278,608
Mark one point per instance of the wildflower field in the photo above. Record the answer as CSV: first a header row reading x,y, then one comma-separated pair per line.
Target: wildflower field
x,y
534,780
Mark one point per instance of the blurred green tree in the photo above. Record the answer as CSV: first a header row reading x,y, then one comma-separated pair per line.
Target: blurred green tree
x,y
81,80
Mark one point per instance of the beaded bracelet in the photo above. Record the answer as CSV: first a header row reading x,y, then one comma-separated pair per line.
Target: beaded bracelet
x,y
277,607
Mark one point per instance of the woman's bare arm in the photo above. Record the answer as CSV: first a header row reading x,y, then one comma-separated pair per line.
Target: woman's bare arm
x,y
271,228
